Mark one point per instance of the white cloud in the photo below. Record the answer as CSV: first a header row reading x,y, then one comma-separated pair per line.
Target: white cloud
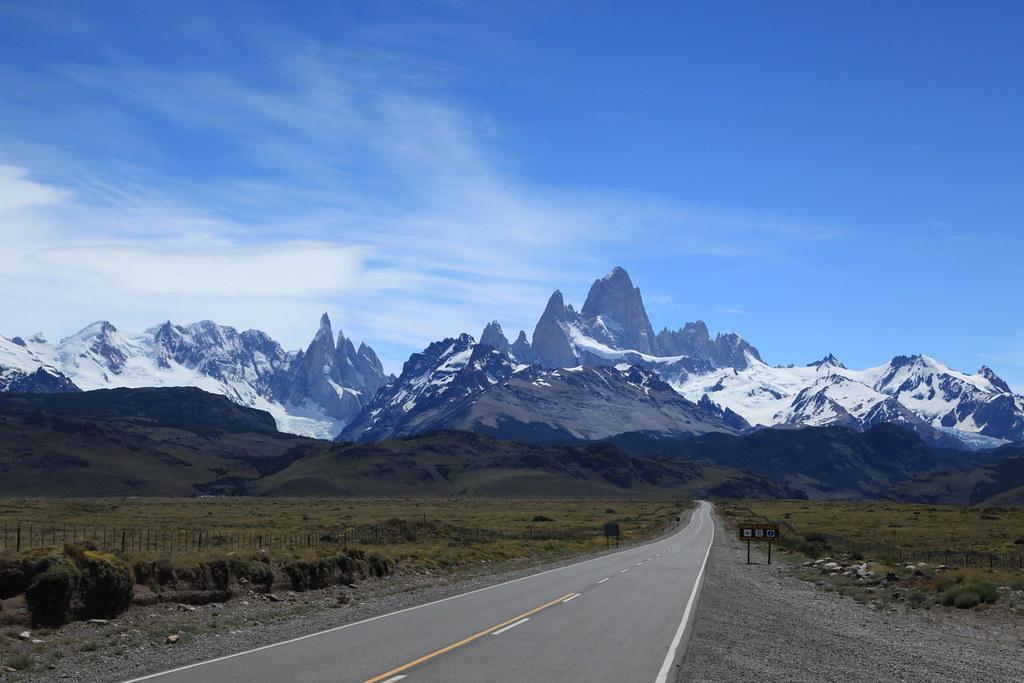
x,y
355,189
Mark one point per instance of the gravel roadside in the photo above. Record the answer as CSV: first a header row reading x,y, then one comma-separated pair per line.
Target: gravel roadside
x,y
756,622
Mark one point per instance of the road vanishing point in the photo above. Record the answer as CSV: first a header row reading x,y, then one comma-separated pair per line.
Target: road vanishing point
x,y
623,616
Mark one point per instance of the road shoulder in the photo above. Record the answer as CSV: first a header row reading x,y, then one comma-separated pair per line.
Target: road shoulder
x,y
755,622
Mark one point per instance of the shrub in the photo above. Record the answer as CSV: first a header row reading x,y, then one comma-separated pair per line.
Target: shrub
x,y
916,597
220,574
17,575
542,518
380,565
48,599
966,599
106,585
300,572
261,575
20,662
969,593
165,572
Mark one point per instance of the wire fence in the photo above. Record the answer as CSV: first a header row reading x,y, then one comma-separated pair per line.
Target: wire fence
x,y
23,537
951,558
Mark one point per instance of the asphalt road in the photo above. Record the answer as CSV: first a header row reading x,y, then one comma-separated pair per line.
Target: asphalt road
x,y
618,617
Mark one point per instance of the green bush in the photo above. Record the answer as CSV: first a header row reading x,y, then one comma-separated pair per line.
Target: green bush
x,y
916,597
380,565
969,593
17,575
106,585
165,572
48,598
260,575
220,574
21,662
966,599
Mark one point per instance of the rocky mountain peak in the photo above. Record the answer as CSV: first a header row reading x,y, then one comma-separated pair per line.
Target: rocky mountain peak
x,y
494,337
994,379
620,307
522,351
829,361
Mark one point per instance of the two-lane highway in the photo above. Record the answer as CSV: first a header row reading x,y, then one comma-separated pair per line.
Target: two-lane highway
x,y
618,617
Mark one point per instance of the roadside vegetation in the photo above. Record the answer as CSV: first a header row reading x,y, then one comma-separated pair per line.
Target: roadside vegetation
x,y
189,552
924,556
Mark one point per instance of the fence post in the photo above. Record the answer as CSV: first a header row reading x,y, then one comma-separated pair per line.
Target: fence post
x,y
19,538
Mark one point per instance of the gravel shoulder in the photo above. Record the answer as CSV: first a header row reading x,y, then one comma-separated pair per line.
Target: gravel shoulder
x,y
135,644
758,622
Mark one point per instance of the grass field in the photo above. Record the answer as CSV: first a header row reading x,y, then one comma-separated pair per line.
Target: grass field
x,y
886,526
922,555
431,532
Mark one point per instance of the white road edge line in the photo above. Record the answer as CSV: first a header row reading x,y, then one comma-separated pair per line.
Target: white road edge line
x,y
407,609
571,598
394,679
510,626
666,666
603,580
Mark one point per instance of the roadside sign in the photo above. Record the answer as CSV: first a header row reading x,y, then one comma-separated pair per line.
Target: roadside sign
x,y
759,532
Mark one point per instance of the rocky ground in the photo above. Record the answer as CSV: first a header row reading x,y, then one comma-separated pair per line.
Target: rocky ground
x,y
764,623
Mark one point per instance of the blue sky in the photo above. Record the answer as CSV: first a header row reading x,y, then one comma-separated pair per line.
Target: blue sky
x,y
817,178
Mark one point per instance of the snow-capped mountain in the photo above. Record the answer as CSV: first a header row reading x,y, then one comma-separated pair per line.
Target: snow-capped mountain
x,y
461,384
22,371
604,359
944,406
314,393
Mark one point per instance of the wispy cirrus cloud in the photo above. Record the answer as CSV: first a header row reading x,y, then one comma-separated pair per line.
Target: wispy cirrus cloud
x,y
346,181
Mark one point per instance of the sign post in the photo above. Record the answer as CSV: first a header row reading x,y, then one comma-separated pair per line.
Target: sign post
x,y
611,530
759,532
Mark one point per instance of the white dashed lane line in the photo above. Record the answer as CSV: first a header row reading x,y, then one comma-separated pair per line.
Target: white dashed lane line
x,y
511,626
571,598
602,580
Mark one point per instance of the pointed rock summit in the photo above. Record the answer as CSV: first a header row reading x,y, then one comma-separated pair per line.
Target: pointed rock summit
x,y
829,361
994,379
494,337
616,304
551,340
522,351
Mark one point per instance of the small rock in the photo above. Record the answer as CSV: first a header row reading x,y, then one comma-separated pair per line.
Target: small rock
x,y
830,566
186,608
36,641
173,638
99,622
273,598
25,635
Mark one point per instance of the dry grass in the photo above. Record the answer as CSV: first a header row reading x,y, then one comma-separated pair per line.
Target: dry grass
x,y
430,533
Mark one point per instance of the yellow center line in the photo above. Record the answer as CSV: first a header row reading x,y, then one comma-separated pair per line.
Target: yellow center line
x,y
464,641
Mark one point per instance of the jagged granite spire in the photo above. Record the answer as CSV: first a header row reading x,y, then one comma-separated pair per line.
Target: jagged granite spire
x,y
494,337
620,306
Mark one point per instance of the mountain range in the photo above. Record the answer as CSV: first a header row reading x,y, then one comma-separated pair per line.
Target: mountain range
x,y
583,375
314,392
